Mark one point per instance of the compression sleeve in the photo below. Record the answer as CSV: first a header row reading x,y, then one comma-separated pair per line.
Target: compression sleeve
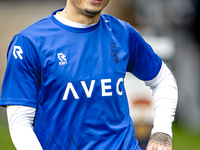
x,y
165,98
20,120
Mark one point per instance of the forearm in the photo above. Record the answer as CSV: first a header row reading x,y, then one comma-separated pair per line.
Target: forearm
x,y
20,120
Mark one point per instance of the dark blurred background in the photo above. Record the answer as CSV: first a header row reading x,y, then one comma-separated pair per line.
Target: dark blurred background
x,y
172,27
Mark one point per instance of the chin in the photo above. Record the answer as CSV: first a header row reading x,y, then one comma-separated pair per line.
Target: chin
x,y
92,12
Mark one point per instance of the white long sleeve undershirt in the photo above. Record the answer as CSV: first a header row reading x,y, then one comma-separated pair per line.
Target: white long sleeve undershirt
x,y
20,120
165,99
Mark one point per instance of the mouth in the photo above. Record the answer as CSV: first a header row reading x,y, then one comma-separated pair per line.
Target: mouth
x,y
95,1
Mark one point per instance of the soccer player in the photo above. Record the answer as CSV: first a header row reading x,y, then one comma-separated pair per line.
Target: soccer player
x,y
64,83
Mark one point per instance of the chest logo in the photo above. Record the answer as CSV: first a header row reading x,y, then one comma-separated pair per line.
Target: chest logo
x,y
62,59
115,53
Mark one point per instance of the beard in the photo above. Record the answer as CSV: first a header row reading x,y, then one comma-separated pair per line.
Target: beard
x,y
92,12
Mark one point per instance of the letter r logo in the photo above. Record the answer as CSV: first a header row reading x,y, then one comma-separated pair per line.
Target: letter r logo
x,y
17,52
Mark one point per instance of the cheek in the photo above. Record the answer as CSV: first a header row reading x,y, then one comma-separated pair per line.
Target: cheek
x,y
106,3
77,3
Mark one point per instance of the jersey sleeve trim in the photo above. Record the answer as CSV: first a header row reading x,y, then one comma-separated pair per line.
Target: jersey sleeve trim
x,y
155,73
24,102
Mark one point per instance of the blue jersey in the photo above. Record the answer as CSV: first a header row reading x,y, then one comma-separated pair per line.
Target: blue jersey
x,y
75,79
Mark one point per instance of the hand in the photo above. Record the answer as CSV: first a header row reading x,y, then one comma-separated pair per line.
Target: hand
x,y
160,141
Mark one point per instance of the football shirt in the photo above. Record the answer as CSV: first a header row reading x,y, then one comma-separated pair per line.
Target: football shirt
x,y
74,77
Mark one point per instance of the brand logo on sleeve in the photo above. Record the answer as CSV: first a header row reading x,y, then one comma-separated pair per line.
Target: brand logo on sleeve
x,y
62,59
17,52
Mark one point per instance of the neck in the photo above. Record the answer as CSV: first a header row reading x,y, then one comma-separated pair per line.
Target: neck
x,y
78,17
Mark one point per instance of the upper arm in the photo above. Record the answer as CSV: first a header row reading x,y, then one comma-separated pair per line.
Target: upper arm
x,y
21,80
143,63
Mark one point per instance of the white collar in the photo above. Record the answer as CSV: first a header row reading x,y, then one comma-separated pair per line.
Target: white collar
x,y
70,23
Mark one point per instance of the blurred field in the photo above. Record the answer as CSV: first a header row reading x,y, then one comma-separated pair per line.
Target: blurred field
x,y
5,140
183,140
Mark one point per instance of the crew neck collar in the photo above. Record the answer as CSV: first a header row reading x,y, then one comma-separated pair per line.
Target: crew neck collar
x,y
73,29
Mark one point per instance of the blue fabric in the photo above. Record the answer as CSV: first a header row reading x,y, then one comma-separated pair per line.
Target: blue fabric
x,y
74,77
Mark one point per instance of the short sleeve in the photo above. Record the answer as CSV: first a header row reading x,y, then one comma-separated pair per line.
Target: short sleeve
x,y
22,76
143,63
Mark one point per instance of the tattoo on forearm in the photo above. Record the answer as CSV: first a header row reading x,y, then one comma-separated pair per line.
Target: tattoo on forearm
x,y
162,139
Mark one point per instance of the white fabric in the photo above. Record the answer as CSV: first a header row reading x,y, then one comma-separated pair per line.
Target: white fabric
x,y
20,119
71,23
165,98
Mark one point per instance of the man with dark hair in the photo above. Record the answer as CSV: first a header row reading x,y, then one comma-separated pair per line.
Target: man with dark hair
x,y
63,86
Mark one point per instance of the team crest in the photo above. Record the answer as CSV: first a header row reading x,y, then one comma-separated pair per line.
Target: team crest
x,y
115,53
